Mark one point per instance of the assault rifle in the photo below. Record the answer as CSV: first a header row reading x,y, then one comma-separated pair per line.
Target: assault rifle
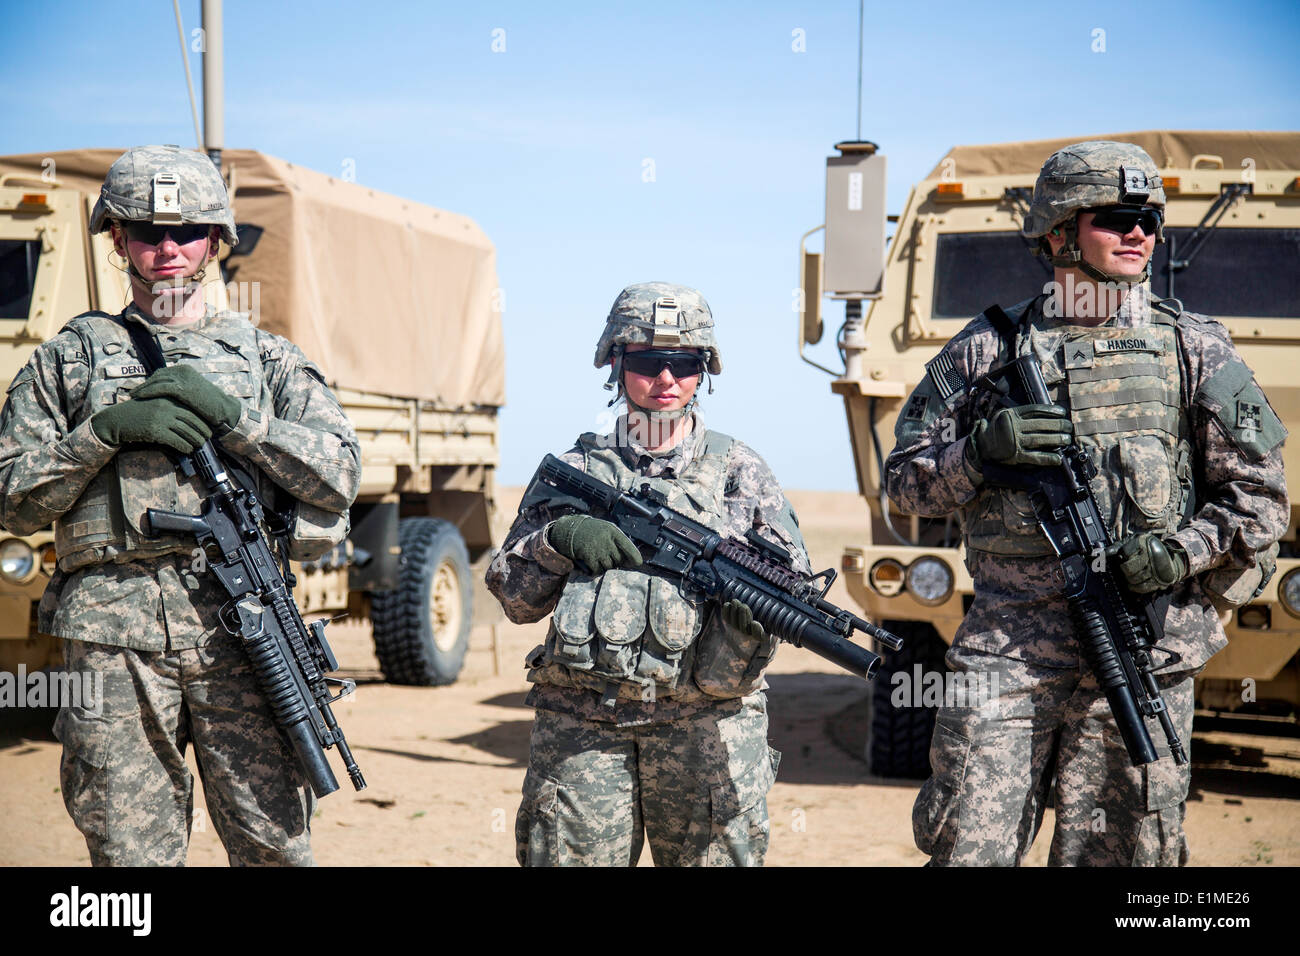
x,y
289,658
755,571
1117,629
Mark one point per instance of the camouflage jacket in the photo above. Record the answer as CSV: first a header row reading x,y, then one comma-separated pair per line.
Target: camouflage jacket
x,y
292,435
1241,503
528,576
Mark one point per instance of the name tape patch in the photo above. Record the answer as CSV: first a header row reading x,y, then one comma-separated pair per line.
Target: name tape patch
x,y
125,370
1127,345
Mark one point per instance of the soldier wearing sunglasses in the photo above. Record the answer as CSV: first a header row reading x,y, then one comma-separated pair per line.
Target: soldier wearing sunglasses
x,y
1189,481
88,441
651,720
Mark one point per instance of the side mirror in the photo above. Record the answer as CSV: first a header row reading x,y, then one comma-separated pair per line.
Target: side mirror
x,y
810,281
248,234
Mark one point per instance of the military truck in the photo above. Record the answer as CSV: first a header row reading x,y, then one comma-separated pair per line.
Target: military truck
x,y
399,305
1233,252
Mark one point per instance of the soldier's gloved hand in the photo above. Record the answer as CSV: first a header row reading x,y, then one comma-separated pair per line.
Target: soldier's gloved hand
x,y
597,544
153,421
183,383
1029,435
1149,564
737,615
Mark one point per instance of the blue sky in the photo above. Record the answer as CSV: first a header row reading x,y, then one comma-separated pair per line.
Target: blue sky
x,y
543,144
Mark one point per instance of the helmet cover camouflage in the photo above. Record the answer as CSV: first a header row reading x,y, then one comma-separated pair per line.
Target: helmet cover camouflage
x,y
1091,174
662,315
163,184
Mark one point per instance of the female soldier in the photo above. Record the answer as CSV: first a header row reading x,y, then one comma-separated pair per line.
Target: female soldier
x,y
650,711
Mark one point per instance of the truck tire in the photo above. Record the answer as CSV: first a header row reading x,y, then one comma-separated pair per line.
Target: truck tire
x,y
899,737
422,626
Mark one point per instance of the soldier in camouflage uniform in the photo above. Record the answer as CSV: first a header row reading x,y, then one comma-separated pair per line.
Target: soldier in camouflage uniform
x,y
650,707
1189,479
86,442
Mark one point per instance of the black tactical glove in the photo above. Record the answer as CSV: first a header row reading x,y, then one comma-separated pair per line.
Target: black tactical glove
x,y
1149,564
1030,435
597,544
185,384
737,615
151,421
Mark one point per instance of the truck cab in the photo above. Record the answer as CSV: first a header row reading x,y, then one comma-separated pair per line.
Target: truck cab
x,y
418,366
1232,251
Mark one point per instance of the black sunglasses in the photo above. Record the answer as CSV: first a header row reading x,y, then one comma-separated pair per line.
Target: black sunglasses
x,y
1123,218
651,362
181,233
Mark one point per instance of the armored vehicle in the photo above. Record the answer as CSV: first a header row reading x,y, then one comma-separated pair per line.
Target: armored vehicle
x,y
398,304
1233,252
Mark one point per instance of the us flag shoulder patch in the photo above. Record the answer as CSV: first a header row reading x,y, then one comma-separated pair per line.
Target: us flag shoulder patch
x,y
947,378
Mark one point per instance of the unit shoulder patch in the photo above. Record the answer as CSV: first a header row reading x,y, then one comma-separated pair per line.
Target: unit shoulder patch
x,y
1236,401
917,407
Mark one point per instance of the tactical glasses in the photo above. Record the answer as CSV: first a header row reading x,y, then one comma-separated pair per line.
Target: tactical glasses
x,y
651,362
1123,218
181,233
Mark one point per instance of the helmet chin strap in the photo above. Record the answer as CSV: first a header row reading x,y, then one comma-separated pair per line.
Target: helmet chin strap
x,y
655,415
658,415
1070,257
187,284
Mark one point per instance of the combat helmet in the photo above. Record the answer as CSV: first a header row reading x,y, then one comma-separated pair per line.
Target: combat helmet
x,y
1084,176
164,184
661,315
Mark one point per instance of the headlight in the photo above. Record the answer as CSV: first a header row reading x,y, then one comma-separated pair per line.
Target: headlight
x,y
930,581
1289,591
17,561
887,577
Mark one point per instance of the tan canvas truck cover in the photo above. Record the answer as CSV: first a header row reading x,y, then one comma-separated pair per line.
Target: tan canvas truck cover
x,y
340,267
1169,148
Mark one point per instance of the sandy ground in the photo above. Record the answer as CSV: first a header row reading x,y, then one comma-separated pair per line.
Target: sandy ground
x,y
445,765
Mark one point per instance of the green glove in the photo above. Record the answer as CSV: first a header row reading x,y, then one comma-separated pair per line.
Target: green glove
x,y
1030,435
186,385
737,615
597,544
152,421
1149,564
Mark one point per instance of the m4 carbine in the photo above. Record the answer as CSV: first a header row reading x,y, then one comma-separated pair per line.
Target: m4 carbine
x,y
1116,629
756,571
289,658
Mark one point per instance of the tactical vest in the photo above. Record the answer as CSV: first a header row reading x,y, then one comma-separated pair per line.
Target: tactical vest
x,y
107,522
633,626
1123,389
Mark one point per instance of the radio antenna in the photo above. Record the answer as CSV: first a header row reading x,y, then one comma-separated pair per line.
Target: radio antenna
x,y
859,136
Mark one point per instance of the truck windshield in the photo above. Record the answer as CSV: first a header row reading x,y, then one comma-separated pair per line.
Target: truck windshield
x,y
18,258
1237,272
974,270
1252,272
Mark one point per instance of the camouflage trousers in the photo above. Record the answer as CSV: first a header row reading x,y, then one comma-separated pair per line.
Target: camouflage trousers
x,y
695,786
993,763
123,773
